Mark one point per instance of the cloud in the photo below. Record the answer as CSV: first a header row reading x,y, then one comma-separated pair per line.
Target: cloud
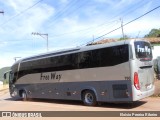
x,y
64,1
6,61
16,31
108,2
31,20
19,5
93,18
2,44
142,25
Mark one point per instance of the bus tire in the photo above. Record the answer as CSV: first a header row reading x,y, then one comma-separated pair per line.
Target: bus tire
x,y
24,96
89,98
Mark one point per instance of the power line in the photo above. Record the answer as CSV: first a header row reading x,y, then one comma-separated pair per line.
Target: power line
x,y
125,13
139,4
69,12
85,29
104,23
128,22
62,11
22,12
143,2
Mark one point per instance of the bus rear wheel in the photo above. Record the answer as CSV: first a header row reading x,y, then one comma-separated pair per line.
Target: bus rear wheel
x,y
89,98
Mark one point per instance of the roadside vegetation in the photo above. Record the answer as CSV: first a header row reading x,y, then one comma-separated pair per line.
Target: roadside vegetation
x,y
2,71
153,33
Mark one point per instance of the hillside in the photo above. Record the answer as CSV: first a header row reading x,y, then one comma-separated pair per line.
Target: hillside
x,y
2,71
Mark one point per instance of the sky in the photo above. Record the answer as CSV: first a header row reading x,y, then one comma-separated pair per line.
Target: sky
x,y
68,23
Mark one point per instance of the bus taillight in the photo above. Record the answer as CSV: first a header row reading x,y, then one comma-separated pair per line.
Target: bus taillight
x,y
136,81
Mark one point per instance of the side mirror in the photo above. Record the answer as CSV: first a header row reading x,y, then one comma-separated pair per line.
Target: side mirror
x,y
5,76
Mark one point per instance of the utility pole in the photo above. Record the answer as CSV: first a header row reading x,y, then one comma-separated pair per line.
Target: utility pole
x,y
122,27
15,58
42,35
138,34
93,39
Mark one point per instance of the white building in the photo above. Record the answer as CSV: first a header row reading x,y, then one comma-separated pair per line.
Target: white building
x,y
156,52
1,83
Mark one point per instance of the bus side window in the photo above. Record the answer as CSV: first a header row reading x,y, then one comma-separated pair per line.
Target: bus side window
x,y
84,59
74,61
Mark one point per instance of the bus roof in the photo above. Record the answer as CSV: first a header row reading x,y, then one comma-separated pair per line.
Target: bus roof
x,y
77,49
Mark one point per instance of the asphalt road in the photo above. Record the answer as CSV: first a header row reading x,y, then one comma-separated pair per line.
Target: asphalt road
x,y
9,104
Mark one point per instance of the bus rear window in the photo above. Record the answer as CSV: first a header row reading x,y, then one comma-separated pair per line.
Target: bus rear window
x,y
143,50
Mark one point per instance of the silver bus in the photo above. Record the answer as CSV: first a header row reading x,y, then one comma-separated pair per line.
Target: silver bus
x,y
113,72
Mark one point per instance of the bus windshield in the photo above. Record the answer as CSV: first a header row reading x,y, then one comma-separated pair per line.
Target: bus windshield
x,y
11,77
143,50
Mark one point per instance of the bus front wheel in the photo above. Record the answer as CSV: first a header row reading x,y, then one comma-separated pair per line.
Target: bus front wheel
x,y
24,96
89,98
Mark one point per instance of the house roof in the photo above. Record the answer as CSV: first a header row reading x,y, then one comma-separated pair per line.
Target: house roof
x,y
151,40
103,41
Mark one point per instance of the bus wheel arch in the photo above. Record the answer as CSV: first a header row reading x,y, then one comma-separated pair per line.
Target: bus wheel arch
x,y
88,97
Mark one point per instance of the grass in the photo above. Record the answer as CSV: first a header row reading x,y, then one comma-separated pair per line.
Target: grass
x,y
156,44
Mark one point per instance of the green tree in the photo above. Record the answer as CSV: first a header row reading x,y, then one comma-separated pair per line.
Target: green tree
x,y
153,33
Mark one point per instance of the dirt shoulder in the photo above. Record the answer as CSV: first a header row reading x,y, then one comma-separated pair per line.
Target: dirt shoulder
x,y
3,87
